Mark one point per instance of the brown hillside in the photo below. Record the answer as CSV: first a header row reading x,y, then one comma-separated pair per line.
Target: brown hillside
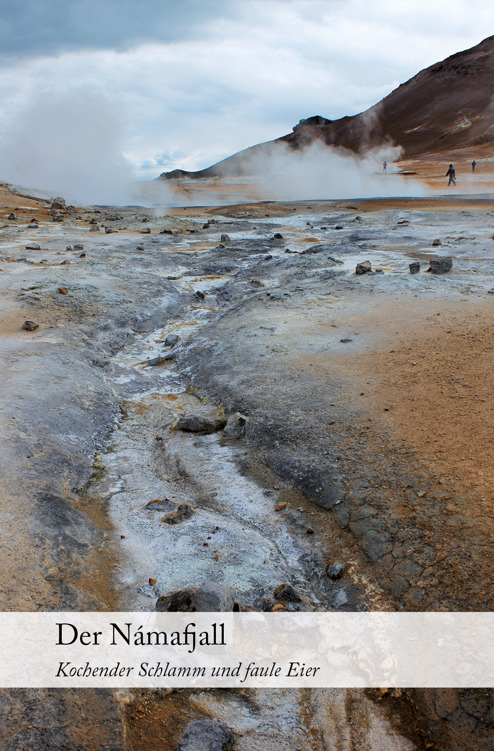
x,y
448,106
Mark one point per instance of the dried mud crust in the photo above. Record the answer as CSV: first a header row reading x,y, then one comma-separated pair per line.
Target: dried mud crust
x,y
428,393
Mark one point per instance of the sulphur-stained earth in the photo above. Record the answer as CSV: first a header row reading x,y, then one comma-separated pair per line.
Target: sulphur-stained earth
x,y
366,441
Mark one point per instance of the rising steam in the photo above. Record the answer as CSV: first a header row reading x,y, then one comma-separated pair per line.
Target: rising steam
x,y
71,145
68,145
277,172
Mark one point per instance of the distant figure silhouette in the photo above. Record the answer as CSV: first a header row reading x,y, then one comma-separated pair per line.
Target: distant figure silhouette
x,y
385,164
474,164
452,175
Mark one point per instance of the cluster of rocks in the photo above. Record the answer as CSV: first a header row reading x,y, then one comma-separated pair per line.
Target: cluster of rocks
x,y
440,265
217,598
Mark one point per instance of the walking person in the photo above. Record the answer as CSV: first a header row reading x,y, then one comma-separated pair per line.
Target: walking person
x,y
385,164
474,164
452,175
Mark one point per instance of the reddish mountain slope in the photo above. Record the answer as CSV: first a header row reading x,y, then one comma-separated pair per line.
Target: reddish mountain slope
x,y
445,107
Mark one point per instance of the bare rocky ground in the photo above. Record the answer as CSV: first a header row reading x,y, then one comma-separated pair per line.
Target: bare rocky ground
x,y
368,401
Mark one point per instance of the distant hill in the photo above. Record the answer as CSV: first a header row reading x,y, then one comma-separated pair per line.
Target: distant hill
x,y
446,107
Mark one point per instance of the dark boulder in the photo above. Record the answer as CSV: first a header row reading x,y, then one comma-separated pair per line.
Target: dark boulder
x,y
440,265
209,598
363,268
206,735
30,326
201,424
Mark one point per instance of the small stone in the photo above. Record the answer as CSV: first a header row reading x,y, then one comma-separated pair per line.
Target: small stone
x,y
183,512
58,203
82,255
152,581
335,570
236,425
159,504
346,341
160,359
159,437
65,263
267,604
33,246
440,265
277,236
108,230
30,326
286,593
309,531
171,340
12,216
200,424
145,231
78,246
200,295
206,735
94,228
280,506
414,267
339,226
436,242
63,290
69,248
363,268
224,239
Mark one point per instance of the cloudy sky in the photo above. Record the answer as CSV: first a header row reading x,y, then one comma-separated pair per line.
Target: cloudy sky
x,y
169,83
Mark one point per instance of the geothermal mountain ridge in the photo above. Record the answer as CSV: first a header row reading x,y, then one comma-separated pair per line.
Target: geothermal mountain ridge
x,y
443,108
